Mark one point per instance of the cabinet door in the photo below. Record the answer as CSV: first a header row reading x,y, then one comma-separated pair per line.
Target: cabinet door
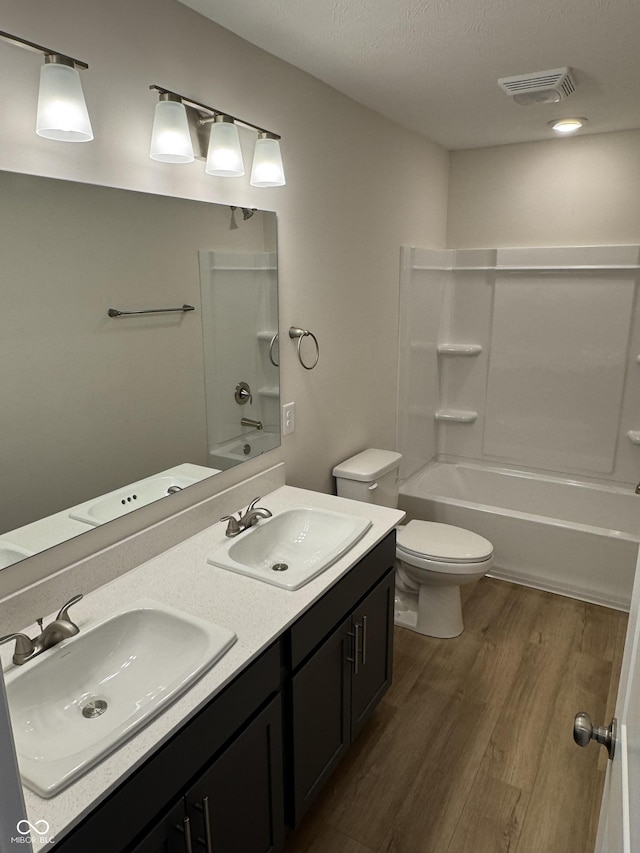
x,y
320,706
373,629
169,835
238,804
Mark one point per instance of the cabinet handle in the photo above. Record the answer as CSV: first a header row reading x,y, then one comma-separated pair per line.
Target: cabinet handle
x,y
356,647
364,640
204,808
186,830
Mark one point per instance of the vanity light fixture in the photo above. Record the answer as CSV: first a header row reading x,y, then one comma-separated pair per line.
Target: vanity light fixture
x,y
62,112
267,168
224,157
567,125
221,146
170,137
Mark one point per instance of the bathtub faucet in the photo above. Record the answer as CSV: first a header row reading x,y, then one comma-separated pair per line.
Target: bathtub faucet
x,y
251,422
638,489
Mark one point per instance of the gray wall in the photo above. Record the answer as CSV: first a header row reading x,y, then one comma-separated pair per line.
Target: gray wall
x,y
577,191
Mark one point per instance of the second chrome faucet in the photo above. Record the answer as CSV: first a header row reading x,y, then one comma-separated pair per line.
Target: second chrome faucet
x,y
249,518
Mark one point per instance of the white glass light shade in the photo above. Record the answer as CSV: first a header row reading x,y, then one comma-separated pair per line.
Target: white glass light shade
x,y
62,111
267,168
224,157
170,137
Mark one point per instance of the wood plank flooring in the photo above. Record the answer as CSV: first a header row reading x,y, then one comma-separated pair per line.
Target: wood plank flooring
x,y
471,750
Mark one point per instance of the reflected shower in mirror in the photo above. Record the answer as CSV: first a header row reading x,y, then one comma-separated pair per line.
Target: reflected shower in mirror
x,y
94,403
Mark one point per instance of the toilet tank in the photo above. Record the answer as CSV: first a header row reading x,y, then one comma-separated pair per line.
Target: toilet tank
x,y
370,476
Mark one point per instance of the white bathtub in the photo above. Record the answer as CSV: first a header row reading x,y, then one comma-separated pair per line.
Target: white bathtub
x,y
565,536
243,447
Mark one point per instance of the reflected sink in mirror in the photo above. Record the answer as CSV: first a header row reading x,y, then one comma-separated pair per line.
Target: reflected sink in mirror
x,y
77,702
10,553
122,501
291,548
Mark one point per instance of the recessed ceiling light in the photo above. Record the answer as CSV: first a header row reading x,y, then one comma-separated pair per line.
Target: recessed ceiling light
x,y
567,125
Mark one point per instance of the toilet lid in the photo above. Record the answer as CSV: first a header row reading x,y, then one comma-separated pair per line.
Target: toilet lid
x,y
443,542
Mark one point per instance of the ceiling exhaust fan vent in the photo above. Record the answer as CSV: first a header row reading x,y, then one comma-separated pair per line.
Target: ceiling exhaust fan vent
x,y
541,87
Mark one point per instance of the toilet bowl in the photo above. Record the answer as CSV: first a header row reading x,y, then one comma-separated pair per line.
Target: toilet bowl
x,y
432,560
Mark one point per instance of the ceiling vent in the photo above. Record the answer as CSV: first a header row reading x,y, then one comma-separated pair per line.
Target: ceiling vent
x,y
541,87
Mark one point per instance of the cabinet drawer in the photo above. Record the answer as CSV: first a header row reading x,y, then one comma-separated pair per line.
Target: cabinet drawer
x,y
325,614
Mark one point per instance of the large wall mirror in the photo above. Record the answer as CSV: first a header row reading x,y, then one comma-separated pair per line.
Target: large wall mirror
x,y
94,404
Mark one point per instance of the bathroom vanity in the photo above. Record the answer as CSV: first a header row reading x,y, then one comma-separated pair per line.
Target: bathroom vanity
x,y
242,755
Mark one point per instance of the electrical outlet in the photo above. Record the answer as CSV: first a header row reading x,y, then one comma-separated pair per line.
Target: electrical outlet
x,y
288,418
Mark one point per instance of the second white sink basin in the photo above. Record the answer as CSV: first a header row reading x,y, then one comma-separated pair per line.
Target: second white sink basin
x,y
10,553
74,704
292,547
119,503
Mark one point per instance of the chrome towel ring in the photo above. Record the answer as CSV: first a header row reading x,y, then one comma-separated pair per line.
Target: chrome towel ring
x,y
275,338
294,332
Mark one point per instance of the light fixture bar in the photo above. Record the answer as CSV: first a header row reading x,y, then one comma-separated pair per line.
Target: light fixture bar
x,y
212,111
38,48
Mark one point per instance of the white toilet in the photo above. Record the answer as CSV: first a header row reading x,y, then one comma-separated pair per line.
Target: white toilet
x,y
433,560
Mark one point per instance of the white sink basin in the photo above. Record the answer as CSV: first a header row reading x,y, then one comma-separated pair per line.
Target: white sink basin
x,y
76,703
119,503
291,548
10,553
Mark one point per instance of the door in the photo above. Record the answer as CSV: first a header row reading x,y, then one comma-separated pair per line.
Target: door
x,y
169,835
321,712
373,631
237,805
619,826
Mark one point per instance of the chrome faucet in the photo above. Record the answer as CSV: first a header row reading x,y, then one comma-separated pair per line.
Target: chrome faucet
x,y
252,422
60,629
638,489
251,517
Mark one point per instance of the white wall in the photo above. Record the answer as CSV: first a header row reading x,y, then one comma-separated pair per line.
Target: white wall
x,y
358,187
565,192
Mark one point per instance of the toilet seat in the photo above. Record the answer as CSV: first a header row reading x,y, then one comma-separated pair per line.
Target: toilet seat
x,y
441,543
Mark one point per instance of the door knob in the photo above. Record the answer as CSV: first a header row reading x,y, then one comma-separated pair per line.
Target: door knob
x,y
584,731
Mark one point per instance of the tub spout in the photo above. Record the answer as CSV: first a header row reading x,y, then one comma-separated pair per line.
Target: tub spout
x,y
638,489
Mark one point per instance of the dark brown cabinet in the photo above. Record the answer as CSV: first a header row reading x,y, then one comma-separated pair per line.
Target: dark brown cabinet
x,y
334,692
236,804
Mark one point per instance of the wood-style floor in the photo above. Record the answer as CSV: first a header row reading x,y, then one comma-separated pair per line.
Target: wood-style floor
x,y
471,750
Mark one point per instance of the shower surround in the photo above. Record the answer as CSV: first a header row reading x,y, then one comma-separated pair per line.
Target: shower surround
x,y
526,360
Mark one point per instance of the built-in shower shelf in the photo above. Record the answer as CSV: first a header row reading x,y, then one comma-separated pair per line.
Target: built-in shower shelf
x,y
458,416
269,391
634,436
459,349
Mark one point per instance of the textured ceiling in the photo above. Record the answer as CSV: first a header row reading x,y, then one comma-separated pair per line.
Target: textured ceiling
x,y
432,65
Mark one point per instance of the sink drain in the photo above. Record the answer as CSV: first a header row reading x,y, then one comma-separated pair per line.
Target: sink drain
x,y
279,567
94,708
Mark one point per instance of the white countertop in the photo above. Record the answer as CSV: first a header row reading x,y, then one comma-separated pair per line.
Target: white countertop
x,y
182,578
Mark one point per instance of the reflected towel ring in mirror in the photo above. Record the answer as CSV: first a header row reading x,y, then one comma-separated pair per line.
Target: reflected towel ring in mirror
x,y
294,332
272,342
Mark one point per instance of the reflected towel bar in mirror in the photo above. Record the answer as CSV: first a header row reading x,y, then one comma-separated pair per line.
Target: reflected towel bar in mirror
x,y
113,312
